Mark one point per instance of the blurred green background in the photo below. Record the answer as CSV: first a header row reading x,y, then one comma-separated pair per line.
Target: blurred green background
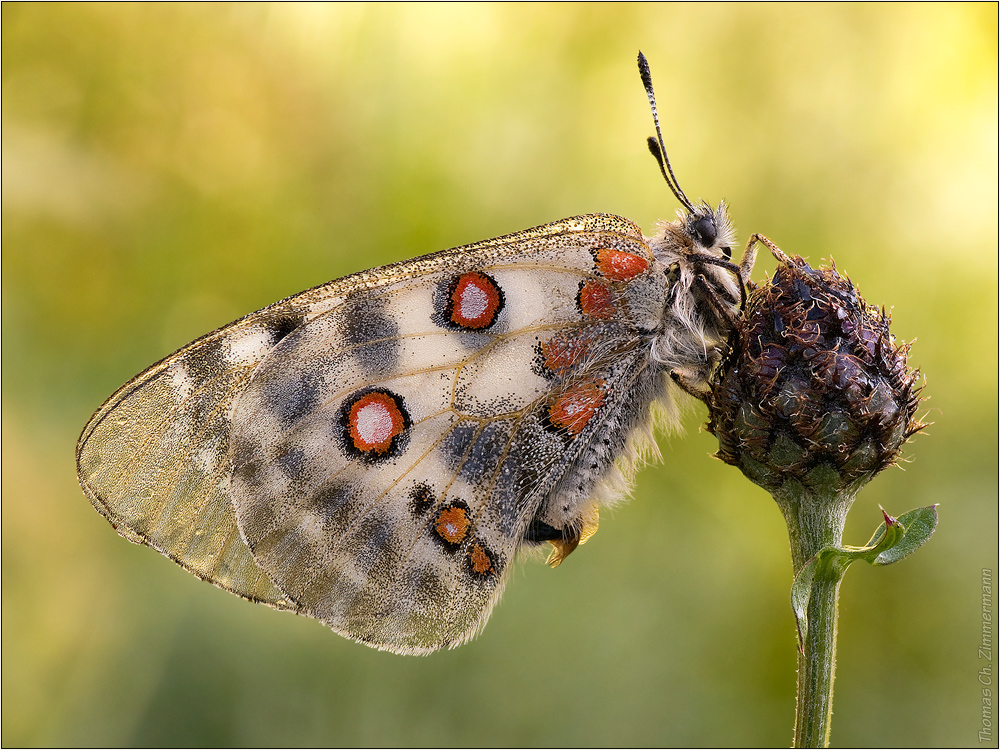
x,y
167,169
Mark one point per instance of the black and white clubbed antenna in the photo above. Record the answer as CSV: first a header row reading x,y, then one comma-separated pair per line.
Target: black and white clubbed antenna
x,y
656,147
706,230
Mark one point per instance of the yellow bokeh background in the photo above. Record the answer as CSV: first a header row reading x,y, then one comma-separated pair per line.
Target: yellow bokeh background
x,y
169,168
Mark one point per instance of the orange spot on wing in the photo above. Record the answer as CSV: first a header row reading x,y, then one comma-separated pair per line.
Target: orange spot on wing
x,y
452,524
374,420
564,351
620,266
596,300
475,301
572,410
480,560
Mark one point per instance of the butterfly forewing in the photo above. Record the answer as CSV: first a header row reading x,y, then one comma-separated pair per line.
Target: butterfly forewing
x,y
374,451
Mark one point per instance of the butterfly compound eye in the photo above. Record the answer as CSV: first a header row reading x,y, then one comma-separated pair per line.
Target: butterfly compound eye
x,y
705,232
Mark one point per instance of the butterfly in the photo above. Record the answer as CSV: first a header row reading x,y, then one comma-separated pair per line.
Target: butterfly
x,y
376,451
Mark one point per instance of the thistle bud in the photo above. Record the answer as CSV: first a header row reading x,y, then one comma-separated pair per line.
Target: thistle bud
x,y
813,387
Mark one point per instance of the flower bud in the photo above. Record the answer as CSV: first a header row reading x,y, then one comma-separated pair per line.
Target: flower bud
x,y
813,387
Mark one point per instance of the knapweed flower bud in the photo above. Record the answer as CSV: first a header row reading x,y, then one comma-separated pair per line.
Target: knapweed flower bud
x,y
813,387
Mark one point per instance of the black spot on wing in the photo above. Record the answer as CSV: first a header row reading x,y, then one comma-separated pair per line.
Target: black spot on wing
x,y
371,334
333,503
425,582
475,451
292,462
525,471
292,397
488,450
283,325
456,444
422,499
375,541
207,360
245,462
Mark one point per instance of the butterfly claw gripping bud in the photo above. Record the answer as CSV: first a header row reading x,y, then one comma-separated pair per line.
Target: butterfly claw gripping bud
x,y
814,388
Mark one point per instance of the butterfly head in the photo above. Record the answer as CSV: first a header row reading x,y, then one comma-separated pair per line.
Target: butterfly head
x,y
698,246
707,230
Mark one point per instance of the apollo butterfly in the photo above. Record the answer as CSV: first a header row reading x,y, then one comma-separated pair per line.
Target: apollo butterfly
x,y
374,452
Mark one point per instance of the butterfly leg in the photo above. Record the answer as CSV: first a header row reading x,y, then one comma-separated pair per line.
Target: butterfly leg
x,y
723,308
751,252
750,256
742,272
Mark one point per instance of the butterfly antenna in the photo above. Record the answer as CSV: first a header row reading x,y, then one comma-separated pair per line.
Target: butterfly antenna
x,y
656,147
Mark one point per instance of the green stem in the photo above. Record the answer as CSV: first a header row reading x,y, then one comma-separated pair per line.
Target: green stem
x,y
817,664
815,517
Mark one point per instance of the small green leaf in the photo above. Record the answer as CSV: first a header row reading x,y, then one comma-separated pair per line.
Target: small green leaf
x,y
885,538
891,542
918,526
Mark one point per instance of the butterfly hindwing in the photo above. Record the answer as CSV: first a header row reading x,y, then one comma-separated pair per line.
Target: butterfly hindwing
x,y
373,452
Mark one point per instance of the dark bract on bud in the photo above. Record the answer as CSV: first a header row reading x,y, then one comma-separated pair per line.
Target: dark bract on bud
x,y
813,388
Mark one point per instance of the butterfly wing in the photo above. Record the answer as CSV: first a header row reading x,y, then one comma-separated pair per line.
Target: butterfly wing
x,y
385,443
151,458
